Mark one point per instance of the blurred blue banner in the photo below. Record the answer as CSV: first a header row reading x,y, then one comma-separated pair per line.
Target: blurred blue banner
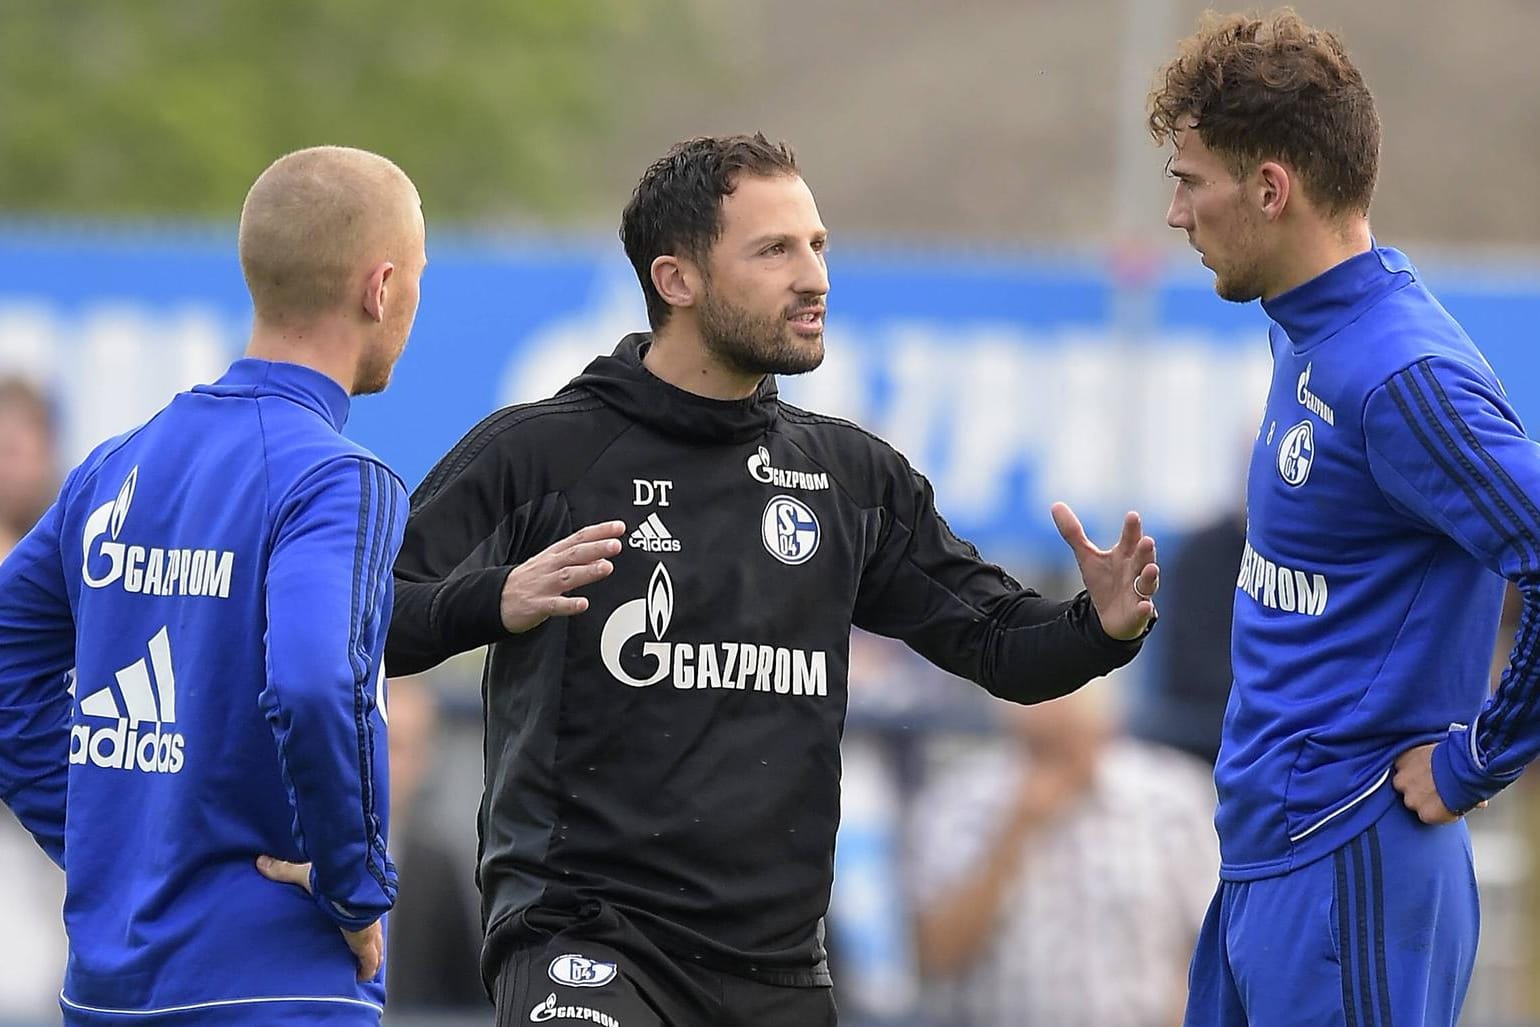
x,y
1011,380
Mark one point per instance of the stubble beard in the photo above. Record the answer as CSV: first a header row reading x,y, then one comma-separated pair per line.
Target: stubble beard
x,y
1245,278
754,345
1238,287
375,369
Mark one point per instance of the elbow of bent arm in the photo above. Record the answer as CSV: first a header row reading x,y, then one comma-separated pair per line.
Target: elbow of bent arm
x,y
304,692
404,657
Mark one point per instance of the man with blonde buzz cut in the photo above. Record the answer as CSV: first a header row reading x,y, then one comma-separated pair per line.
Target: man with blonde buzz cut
x,y
307,225
1390,493
214,785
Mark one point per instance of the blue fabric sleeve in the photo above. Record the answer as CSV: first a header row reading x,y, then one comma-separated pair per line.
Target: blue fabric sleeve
x,y
37,650
1446,447
328,608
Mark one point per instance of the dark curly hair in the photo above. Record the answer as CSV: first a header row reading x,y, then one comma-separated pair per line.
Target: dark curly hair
x,y
1274,88
677,206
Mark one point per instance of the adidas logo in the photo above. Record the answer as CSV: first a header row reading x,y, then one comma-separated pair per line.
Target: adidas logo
x,y
652,536
149,694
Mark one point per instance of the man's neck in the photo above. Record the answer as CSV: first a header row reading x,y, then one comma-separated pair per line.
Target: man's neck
x,y
322,346
678,356
1325,246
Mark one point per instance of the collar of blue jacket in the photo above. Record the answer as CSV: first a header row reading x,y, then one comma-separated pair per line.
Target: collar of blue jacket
x,y
1314,312
303,385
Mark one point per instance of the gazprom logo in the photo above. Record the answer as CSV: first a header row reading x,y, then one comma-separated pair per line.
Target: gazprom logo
x,y
147,570
736,665
762,470
1311,402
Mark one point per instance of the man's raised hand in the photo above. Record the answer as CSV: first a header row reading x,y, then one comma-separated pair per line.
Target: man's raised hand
x,y
1121,581
537,588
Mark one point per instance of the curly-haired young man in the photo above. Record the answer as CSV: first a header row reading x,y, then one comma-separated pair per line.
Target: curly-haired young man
x,y
1390,492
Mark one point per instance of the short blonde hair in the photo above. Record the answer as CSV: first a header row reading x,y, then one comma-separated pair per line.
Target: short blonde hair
x,y
312,219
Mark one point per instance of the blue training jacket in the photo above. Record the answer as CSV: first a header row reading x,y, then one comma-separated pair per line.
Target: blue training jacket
x,y
1391,490
220,582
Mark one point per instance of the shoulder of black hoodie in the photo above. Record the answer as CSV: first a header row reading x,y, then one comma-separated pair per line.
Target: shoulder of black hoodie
x,y
461,537
508,446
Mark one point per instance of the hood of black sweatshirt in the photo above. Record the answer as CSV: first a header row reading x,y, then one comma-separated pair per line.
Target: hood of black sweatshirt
x,y
620,381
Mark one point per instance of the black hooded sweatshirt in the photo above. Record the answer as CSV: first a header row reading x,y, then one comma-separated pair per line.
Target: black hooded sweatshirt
x,y
668,762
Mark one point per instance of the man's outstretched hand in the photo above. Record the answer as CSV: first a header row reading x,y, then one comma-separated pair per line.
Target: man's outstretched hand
x,y
1121,581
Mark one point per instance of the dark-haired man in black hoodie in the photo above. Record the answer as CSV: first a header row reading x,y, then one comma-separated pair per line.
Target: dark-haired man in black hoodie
x,y
662,773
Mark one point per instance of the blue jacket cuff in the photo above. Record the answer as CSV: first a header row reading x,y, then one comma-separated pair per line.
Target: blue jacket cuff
x,y
343,917
1460,779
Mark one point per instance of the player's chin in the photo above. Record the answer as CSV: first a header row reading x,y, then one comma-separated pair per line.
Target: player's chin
x,y
800,354
372,385
1236,288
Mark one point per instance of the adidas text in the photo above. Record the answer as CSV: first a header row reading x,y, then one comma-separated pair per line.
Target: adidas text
x,y
653,536
124,747
136,732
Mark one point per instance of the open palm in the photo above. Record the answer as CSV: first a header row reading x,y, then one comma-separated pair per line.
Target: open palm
x,y
1115,578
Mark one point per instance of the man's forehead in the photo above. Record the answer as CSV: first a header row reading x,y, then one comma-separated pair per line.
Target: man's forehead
x,y
757,202
1187,145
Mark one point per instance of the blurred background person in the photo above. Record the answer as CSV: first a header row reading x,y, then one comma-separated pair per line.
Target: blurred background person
x,y
1062,874
1182,703
32,943
892,690
29,459
433,939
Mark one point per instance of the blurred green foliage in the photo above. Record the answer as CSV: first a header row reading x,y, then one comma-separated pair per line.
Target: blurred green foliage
x,y
144,107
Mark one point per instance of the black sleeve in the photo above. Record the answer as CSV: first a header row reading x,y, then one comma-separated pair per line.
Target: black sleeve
x,y
924,585
455,556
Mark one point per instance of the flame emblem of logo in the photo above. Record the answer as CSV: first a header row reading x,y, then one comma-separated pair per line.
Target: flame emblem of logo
x,y
648,616
660,601
120,505
107,519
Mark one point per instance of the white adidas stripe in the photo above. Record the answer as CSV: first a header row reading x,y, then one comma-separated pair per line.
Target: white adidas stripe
x,y
101,704
134,680
140,693
165,680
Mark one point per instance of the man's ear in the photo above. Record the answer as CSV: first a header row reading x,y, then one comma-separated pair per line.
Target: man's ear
x,y
677,280
1274,186
377,290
